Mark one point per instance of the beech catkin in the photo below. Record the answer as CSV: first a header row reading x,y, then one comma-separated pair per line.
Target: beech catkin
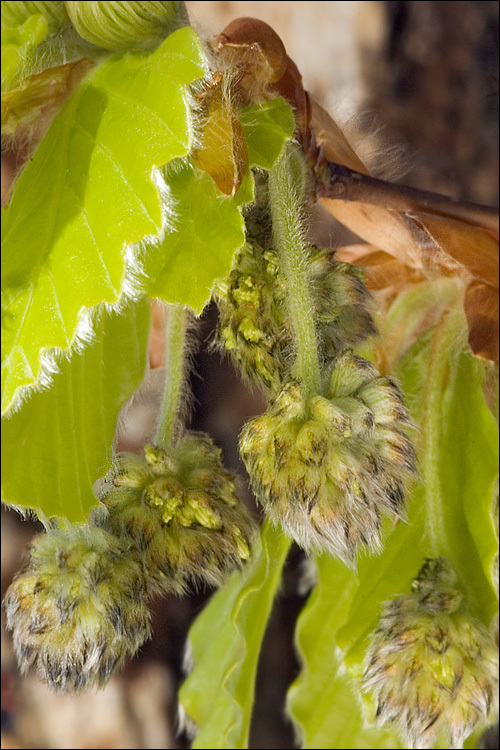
x,y
253,317
180,510
431,669
77,610
327,467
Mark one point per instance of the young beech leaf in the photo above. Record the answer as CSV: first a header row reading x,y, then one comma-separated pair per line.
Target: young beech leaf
x,y
59,443
17,44
15,13
206,227
198,245
218,694
266,127
39,94
88,192
324,702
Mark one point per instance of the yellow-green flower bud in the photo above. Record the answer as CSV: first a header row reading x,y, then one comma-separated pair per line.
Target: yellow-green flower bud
x,y
251,318
326,468
342,303
350,373
253,311
181,512
431,669
77,610
122,26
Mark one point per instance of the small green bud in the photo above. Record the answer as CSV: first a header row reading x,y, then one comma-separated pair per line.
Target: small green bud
x,y
393,447
122,26
431,668
244,550
435,571
328,412
254,324
342,303
203,513
251,318
158,459
360,417
132,474
17,43
349,373
384,398
290,401
327,468
250,332
183,517
312,441
77,610
16,12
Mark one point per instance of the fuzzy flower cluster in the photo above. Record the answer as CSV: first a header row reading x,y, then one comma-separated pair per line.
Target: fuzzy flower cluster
x,y
251,326
253,312
168,518
432,669
180,510
77,610
327,467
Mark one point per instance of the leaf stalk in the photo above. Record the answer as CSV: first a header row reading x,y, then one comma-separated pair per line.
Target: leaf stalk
x,y
175,358
287,214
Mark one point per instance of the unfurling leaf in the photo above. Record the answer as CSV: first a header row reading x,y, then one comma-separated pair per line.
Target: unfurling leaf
x,y
218,693
223,151
39,94
90,190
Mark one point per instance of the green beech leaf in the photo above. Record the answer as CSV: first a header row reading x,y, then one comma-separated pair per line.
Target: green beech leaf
x,y
225,643
267,126
198,245
90,190
468,469
59,443
246,191
204,227
324,702
417,309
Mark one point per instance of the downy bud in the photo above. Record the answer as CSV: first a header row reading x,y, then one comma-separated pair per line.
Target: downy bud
x,y
15,13
77,610
122,26
253,312
181,512
327,467
251,318
342,303
432,669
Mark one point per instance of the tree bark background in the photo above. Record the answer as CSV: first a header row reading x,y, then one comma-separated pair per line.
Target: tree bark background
x,y
423,80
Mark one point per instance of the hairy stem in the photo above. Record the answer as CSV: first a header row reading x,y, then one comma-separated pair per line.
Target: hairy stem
x,y
440,352
175,358
287,215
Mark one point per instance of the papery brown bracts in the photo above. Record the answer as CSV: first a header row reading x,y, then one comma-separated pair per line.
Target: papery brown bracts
x,y
424,231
